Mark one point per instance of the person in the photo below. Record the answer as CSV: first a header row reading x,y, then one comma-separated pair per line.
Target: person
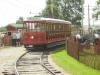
x,y
96,38
2,38
18,38
6,38
85,39
14,37
78,37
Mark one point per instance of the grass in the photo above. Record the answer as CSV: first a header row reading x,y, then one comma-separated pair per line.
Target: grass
x,y
69,64
89,58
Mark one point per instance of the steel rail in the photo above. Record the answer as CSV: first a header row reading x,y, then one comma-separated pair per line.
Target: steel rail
x,y
45,66
41,63
16,70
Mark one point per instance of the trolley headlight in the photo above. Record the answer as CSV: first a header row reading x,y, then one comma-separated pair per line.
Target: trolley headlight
x,y
32,37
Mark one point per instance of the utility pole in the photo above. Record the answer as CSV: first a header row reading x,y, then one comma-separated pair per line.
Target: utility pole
x,y
88,20
89,27
82,16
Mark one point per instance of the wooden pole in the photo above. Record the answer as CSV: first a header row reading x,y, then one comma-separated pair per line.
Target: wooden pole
x,y
89,27
88,20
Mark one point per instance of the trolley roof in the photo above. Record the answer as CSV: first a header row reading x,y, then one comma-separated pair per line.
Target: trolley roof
x,y
45,20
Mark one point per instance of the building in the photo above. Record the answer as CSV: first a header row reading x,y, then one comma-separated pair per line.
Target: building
x,y
14,28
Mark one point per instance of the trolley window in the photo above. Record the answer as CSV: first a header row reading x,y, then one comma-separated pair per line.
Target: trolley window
x,y
34,27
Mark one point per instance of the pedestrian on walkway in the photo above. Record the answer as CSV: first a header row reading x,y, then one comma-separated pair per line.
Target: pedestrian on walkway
x,y
0,40
3,40
18,38
14,38
6,38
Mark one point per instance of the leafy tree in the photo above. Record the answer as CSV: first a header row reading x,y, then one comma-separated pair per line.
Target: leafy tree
x,y
96,10
3,29
52,9
20,20
72,10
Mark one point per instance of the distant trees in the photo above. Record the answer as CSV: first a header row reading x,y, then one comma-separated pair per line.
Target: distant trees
x,y
20,20
70,10
97,10
3,29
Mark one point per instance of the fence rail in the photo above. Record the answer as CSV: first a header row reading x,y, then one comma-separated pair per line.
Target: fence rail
x,y
73,48
84,53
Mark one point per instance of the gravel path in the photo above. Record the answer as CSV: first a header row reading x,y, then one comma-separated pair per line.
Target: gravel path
x,y
8,57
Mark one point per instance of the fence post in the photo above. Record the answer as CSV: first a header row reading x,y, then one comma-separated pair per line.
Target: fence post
x,y
72,48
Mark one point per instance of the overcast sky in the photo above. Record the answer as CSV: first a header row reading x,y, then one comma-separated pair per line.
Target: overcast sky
x,y
92,4
10,10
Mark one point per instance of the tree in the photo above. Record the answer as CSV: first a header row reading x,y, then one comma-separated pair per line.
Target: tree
x,y
72,10
96,10
3,29
20,20
52,9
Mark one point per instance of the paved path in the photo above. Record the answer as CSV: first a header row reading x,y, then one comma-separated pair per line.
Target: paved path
x,y
8,56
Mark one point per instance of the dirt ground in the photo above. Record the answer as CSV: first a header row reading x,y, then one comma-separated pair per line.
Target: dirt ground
x,y
8,56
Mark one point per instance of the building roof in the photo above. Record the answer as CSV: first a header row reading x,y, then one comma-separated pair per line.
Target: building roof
x,y
41,19
16,25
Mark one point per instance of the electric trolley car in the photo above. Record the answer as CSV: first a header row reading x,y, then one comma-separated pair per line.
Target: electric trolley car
x,y
45,32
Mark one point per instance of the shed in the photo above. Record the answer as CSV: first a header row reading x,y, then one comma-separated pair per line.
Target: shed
x,y
14,28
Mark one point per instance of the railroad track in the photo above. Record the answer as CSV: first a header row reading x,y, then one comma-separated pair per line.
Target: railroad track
x,y
35,63
48,66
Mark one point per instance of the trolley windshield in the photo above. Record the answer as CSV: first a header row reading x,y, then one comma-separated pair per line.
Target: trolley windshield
x,y
34,27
